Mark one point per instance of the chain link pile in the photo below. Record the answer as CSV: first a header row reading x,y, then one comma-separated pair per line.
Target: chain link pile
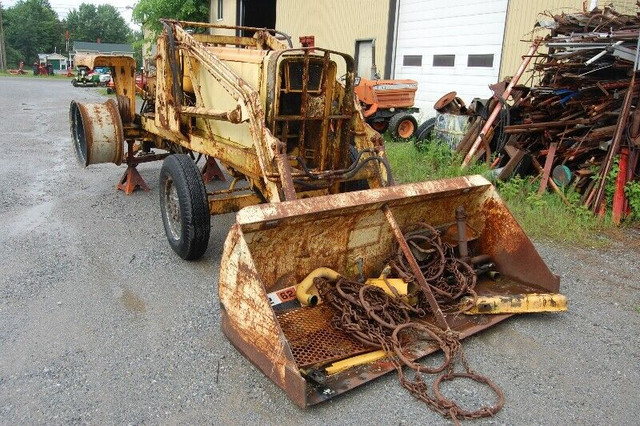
x,y
448,277
381,321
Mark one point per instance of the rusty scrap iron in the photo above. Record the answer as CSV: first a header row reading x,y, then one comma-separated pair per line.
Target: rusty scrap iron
x,y
583,106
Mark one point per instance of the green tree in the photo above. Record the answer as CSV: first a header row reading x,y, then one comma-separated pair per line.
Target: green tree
x,y
90,23
135,39
149,12
31,27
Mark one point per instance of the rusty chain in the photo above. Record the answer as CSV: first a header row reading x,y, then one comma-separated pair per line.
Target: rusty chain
x,y
381,321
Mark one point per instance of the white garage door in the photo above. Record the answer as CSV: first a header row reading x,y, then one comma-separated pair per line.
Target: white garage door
x,y
449,45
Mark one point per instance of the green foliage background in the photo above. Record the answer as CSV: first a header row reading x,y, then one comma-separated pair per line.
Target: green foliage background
x,y
32,27
149,12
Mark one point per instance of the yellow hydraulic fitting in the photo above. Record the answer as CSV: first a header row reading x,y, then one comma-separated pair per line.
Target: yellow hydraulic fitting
x,y
306,292
400,286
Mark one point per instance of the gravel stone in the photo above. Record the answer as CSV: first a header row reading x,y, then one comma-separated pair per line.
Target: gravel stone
x,y
100,322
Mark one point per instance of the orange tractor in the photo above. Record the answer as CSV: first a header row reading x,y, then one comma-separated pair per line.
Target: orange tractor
x,y
388,105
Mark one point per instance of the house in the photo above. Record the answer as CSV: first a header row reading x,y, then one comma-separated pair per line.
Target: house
x,y
102,48
457,45
58,61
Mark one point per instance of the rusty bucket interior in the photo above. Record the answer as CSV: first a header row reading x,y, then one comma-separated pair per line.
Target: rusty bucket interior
x,y
272,246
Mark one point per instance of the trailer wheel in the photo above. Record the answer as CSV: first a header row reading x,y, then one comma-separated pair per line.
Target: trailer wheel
x,y
184,206
403,126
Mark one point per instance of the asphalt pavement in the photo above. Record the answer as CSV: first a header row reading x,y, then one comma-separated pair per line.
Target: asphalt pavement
x,y
101,323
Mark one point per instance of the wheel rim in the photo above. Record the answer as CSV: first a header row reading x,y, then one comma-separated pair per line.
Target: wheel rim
x,y
172,209
406,128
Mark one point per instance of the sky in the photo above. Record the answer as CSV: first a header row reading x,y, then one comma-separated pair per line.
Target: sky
x,y
62,7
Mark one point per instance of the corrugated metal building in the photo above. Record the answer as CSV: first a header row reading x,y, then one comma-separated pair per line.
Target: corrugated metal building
x,y
522,15
358,27
461,45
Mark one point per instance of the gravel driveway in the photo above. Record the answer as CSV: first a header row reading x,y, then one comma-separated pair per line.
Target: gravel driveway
x,y
101,323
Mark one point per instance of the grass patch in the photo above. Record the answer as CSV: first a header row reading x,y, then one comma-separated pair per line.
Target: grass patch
x,y
546,216
542,217
434,161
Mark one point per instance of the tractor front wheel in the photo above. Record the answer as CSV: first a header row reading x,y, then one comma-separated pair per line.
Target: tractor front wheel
x,y
379,126
184,206
403,126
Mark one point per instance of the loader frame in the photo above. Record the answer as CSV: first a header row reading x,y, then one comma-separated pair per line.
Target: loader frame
x,y
253,137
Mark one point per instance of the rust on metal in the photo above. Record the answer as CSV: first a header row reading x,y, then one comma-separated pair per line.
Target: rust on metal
x,y
312,338
397,233
97,132
351,233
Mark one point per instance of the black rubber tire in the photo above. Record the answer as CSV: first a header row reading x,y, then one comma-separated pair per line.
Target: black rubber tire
x,y
188,226
424,133
74,82
379,126
400,120
425,129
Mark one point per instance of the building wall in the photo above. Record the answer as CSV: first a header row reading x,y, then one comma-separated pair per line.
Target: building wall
x,y
627,7
337,24
228,15
522,15
428,28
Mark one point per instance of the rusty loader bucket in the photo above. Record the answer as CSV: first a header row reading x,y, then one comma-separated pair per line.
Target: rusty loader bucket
x,y
272,247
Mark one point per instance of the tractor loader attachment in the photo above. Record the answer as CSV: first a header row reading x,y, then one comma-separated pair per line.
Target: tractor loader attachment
x,y
275,118
271,250
323,286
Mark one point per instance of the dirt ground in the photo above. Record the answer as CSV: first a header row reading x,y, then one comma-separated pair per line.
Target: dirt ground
x,y
101,323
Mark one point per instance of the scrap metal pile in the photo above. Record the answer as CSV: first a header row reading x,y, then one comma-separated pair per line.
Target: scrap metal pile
x,y
583,112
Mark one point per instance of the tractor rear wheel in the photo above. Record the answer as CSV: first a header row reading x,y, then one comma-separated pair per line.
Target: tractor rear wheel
x,y
184,206
403,126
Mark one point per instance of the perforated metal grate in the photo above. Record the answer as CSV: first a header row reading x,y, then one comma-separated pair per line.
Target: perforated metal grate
x,y
313,339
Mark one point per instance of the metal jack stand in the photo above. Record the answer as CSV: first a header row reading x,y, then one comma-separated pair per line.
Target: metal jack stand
x,y
131,179
211,171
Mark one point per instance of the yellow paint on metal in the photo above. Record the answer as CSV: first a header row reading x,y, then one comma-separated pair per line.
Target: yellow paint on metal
x,y
345,364
518,304
397,283
306,292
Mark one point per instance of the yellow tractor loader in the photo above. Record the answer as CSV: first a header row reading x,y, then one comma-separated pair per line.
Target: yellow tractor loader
x,y
320,227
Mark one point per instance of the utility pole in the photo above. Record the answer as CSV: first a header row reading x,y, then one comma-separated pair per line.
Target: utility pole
x,y
3,53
